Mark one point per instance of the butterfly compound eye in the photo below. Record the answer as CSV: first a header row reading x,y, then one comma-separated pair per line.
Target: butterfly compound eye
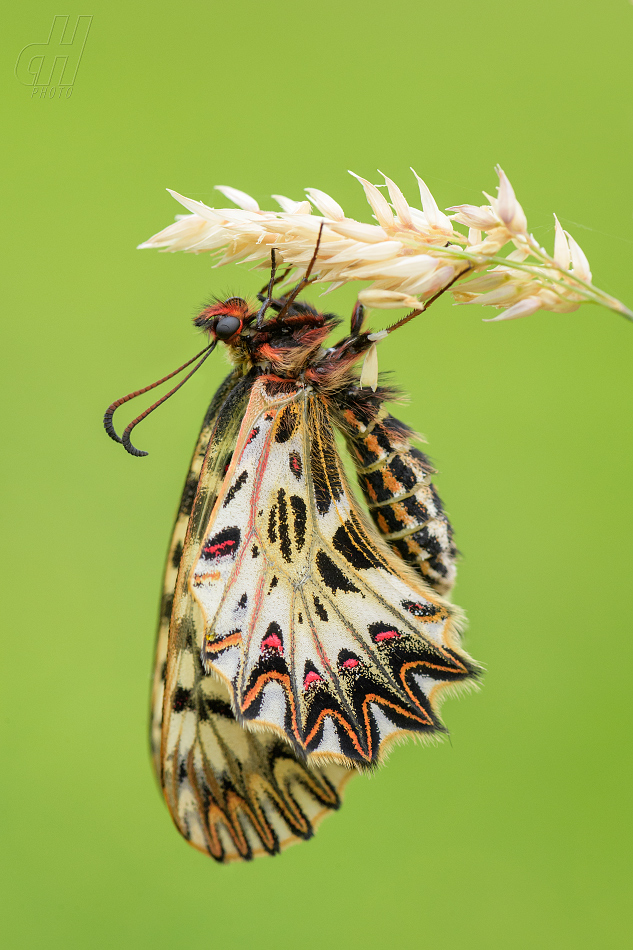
x,y
227,327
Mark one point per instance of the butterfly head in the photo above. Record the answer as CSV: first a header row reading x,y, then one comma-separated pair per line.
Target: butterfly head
x,y
225,320
285,342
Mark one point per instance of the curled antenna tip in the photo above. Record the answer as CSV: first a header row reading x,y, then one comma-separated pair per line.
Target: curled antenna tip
x,y
125,439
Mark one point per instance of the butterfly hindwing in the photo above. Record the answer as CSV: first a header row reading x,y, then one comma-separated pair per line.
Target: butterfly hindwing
x,y
317,628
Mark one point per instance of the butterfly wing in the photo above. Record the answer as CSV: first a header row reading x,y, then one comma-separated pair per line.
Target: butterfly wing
x,y
231,793
173,563
321,633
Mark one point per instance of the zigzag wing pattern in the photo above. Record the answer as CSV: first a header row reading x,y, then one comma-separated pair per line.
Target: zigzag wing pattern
x,y
319,630
232,794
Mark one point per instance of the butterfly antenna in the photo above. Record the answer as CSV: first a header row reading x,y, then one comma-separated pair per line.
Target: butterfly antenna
x,y
305,280
125,439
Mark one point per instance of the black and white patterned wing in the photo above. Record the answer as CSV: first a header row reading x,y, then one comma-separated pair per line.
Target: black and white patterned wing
x,y
231,793
319,631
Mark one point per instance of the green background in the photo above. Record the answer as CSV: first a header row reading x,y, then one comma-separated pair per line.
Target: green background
x,y
514,834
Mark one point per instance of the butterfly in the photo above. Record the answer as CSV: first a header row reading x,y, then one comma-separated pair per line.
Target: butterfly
x,y
300,635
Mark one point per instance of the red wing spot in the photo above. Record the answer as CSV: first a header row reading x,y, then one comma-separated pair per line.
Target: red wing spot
x,y
386,635
224,543
296,467
380,632
217,550
272,642
311,678
252,434
349,664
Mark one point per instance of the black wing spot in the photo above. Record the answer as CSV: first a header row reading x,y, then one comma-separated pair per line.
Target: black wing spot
x,y
320,609
349,542
332,576
381,632
325,475
300,513
224,544
273,584
421,610
177,554
255,551
348,660
219,708
182,699
233,490
311,676
285,545
322,494
242,601
296,465
272,524
273,638
287,423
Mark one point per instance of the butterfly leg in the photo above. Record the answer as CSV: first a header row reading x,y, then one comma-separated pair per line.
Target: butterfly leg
x,y
265,291
305,280
358,318
269,295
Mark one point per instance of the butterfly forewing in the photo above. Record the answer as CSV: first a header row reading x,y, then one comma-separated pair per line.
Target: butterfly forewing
x,y
321,634
232,793
173,563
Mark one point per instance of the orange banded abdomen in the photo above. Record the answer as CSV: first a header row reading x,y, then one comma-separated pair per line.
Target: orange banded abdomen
x,y
396,481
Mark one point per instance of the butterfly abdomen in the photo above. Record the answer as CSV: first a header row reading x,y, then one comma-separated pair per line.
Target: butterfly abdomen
x,y
395,479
